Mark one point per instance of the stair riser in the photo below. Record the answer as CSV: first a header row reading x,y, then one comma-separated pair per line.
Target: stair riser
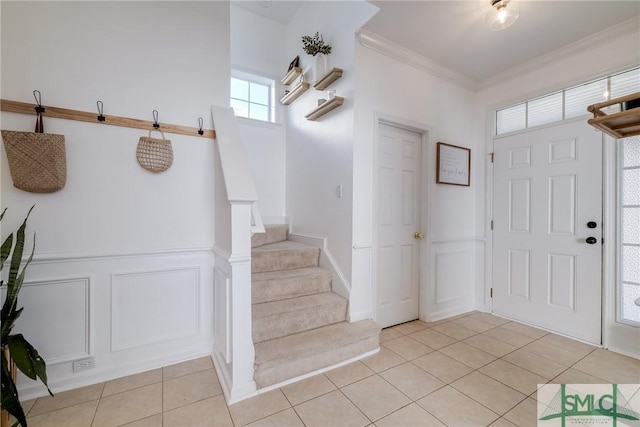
x,y
280,325
270,374
284,260
272,234
291,287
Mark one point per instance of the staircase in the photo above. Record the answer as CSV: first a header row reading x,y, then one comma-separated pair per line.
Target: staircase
x,y
299,324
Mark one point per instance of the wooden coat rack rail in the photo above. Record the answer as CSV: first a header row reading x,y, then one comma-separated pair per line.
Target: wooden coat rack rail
x,y
85,116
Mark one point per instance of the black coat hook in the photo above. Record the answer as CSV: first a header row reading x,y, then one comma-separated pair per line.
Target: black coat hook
x,y
155,119
38,96
39,110
101,117
200,124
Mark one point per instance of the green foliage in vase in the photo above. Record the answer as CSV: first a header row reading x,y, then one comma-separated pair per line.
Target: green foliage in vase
x,y
314,45
25,357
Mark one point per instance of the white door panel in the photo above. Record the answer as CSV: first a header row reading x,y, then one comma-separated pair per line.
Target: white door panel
x,y
547,187
398,218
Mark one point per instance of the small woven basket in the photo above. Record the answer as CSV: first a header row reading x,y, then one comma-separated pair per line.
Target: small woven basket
x,y
155,155
37,161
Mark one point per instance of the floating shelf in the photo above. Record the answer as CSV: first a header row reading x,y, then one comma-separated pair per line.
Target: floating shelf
x,y
324,108
297,90
291,76
622,124
333,75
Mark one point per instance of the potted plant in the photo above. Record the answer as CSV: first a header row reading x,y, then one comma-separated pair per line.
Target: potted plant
x,y
16,350
316,47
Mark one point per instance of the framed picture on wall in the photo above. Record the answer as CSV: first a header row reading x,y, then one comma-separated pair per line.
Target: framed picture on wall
x,y
294,63
453,165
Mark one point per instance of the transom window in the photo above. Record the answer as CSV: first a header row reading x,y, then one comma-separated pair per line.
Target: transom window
x,y
566,104
252,96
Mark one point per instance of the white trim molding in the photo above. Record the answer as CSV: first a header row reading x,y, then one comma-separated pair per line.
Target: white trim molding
x,y
586,43
388,48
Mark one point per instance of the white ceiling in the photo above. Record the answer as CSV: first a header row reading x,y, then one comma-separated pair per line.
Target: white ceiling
x,y
453,32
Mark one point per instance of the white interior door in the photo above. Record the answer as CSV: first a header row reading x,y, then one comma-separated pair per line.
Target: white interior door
x,y
546,259
398,221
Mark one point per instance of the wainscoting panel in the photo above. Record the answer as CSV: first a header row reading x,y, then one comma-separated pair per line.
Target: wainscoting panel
x,y
451,290
154,306
222,313
51,306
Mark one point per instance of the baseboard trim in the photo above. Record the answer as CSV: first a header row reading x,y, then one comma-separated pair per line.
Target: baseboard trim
x,y
36,389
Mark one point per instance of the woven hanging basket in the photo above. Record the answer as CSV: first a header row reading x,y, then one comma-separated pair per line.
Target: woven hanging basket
x,y
155,155
37,161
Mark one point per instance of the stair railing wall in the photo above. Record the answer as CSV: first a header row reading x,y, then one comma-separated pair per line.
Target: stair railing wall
x,y
237,217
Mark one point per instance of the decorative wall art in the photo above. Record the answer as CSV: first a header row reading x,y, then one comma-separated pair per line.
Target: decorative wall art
x,y
453,165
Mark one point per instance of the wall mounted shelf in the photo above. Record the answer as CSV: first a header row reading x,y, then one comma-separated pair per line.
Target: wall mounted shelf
x,y
622,124
297,90
324,108
324,82
293,74
84,116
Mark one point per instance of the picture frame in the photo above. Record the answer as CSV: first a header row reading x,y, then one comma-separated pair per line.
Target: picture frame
x,y
453,165
294,63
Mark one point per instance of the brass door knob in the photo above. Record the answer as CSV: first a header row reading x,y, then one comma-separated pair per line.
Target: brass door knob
x,y
418,235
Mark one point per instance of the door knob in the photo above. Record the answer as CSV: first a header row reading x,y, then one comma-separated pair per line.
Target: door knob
x,y
591,240
418,235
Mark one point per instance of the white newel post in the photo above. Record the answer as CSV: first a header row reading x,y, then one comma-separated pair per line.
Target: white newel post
x,y
242,350
235,195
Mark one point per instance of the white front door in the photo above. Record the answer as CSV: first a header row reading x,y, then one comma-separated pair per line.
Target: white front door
x,y
547,238
398,221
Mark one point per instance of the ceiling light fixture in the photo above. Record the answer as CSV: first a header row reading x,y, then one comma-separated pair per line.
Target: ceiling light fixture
x,y
502,15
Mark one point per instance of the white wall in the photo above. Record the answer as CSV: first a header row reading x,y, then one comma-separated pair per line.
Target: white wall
x,y
319,153
124,264
389,89
257,46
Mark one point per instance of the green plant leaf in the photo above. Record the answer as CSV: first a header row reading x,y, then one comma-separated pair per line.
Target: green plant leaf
x,y
19,348
10,399
5,249
13,284
27,359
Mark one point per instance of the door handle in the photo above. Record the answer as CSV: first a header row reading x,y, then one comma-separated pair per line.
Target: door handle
x,y
418,235
591,240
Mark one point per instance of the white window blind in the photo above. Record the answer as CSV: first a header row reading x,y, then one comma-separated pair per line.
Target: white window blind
x,y
569,103
578,98
511,119
547,109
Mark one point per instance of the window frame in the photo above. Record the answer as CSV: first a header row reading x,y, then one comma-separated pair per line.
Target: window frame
x,y
620,282
257,79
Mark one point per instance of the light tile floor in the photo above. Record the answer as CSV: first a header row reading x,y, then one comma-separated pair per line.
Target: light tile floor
x,y
470,370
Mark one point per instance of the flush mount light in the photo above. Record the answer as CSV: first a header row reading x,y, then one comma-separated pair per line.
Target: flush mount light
x,y
502,14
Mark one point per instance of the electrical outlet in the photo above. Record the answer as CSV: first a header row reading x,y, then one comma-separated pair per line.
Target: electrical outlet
x,y
83,364
339,190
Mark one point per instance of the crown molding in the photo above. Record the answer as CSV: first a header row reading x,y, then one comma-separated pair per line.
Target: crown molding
x,y
390,49
612,33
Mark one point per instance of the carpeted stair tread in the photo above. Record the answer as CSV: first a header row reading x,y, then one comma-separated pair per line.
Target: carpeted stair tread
x,y
279,285
283,256
279,318
290,356
273,233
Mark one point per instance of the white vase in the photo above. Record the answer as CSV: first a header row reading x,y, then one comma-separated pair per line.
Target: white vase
x,y
319,66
